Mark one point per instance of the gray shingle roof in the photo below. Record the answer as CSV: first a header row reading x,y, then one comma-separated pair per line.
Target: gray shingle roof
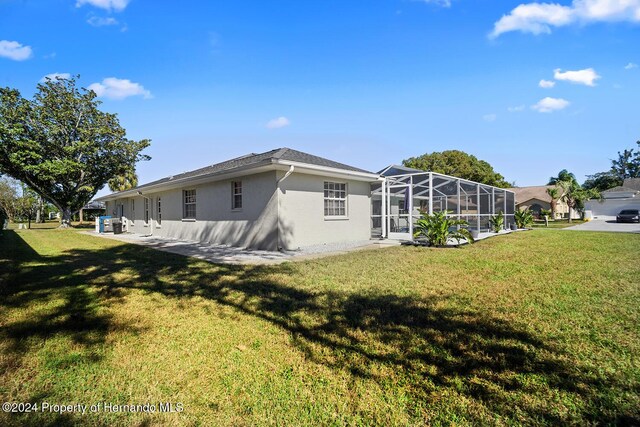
x,y
534,192
299,156
632,183
256,159
621,189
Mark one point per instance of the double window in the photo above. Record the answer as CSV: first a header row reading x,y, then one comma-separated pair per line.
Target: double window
x,y
236,195
189,204
335,199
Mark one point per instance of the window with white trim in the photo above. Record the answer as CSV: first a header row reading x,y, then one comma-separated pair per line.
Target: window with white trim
x,y
146,210
189,204
236,195
335,199
159,206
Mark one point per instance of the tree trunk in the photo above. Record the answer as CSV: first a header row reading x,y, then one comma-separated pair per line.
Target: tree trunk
x,y
81,216
553,208
66,218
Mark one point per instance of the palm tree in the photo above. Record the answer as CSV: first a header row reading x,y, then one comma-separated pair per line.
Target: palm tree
x,y
574,195
563,175
554,193
123,182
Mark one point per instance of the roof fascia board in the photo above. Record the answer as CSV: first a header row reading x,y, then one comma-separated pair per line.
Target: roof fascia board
x,y
329,171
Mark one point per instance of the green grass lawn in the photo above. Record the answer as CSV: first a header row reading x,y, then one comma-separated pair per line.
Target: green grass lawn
x,y
531,328
558,223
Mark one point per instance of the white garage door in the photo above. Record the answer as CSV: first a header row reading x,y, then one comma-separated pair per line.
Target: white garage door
x,y
609,208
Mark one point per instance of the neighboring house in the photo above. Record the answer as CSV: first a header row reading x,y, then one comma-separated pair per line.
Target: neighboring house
x,y
286,199
626,196
91,210
536,198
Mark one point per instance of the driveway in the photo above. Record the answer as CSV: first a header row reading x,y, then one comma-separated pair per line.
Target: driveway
x,y
606,225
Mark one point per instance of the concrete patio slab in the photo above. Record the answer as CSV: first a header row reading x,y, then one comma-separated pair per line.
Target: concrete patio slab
x,y
224,254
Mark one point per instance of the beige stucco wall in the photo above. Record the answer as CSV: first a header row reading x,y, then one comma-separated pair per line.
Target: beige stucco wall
x,y
562,209
302,220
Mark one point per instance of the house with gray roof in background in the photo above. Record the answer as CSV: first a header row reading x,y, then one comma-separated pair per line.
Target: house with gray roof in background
x,y
626,196
535,198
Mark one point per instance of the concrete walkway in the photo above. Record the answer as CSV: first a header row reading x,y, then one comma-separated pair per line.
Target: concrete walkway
x,y
223,254
606,225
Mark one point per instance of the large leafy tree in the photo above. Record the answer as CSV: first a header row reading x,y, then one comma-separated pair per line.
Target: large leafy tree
x,y
9,195
61,145
460,164
602,181
628,164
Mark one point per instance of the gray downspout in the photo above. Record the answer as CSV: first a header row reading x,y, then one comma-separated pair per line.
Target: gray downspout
x,y
286,175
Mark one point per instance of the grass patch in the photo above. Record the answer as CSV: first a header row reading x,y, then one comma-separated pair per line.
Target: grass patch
x,y
558,223
528,328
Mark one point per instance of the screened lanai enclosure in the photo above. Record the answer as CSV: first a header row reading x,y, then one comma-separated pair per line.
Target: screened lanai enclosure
x,y
398,202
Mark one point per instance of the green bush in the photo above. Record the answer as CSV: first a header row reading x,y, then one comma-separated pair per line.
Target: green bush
x,y
497,222
438,228
524,218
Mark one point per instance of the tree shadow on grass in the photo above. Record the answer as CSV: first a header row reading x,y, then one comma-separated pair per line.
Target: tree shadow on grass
x,y
422,345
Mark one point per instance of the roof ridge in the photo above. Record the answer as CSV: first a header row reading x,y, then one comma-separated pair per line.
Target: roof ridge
x,y
279,152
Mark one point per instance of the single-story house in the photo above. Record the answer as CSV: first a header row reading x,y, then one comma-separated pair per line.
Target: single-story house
x,y
287,199
626,196
536,198
281,199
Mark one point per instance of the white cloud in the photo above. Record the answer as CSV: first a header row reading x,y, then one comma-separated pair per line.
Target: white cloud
x,y
549,105
113,88
443,3
278,123
98,21
546,84
516,109
539,18
116,5
586,77
490,117
630,66
14,50
55,76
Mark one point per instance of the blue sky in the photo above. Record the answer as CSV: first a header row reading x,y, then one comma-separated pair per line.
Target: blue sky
x,y
367,83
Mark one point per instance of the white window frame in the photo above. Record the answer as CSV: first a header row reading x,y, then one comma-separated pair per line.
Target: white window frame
x,y
234,207
331,192
191,203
